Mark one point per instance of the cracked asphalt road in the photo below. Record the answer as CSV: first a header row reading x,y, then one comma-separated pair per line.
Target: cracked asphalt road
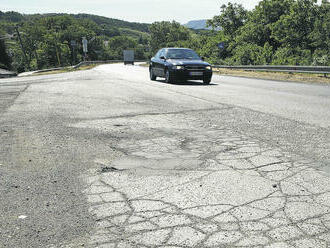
x,y
107,158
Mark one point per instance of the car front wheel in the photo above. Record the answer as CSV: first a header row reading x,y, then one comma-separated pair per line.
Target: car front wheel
x,y
207,80
168,77
152,75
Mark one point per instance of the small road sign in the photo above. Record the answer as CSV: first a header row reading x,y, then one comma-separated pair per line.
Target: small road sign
x,y
85,42
221,45
129,57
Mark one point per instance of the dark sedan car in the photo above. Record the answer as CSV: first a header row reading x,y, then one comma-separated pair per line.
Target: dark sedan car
x,y
176,64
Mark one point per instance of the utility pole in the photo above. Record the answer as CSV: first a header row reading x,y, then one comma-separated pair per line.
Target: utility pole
x,y
36,55
73,44
23,50
56,47
85,48
57,55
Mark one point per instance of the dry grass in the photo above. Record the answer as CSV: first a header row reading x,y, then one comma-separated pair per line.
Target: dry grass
x,y
69,69
279,76
144,64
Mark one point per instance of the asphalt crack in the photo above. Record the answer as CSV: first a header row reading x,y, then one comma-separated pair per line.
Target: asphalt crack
x,y
241,193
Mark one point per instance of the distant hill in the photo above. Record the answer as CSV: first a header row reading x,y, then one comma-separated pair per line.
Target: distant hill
x,y
15,17
198,24
11,16
142,27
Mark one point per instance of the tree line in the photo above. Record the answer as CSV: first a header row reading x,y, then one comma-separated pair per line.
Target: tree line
x,y
55,40
276,32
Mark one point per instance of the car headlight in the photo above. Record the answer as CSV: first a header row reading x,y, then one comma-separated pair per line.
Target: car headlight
x,y
208,68
178,67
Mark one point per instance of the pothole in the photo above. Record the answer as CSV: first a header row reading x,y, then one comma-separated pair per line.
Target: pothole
x,y
107,169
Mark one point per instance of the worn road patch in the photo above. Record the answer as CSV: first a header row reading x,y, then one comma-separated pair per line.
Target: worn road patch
x,y
192,185
108,158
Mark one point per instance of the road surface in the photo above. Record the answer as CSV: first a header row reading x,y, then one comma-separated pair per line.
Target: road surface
x,y
108,158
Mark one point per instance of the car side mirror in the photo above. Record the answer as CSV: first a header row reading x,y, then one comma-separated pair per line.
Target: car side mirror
x,y
162,57
203,58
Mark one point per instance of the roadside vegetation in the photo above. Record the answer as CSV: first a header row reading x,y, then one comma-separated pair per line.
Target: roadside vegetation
x,y
275,32
278,76
65,69
47,39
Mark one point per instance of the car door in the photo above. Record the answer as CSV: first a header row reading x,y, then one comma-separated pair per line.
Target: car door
x,y
162,63
155,63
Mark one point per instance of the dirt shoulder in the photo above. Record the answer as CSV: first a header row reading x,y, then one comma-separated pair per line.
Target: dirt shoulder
x,y
279,76
69,69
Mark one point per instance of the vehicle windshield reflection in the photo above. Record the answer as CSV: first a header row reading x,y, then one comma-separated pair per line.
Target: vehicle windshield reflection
x,y
182,54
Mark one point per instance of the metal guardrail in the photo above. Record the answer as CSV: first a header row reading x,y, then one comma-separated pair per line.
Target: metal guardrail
x,y
279,68
267,68
79,65
102,62
52,69
6,74
96,62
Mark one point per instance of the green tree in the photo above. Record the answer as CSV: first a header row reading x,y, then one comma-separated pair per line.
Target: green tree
x,y
47,38
117,45
232,17
32,35
320,36
165,33
109,31
5,61
293,29
258,27
292,56
248,54
207,46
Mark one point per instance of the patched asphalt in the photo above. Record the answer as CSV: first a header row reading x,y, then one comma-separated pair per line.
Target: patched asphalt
x,y
108,158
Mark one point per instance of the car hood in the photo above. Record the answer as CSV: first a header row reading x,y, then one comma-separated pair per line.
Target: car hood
x,y
187,62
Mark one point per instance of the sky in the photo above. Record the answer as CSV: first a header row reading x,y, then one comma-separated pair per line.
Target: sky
x,y
147,11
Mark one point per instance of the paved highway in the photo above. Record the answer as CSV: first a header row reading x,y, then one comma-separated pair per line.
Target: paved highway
x,y
108,158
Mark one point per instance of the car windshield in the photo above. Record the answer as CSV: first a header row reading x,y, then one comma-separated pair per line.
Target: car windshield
x,y
181,54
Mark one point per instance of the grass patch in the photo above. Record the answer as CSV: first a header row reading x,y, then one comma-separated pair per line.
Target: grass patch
x,y
279,76
144,64
64,70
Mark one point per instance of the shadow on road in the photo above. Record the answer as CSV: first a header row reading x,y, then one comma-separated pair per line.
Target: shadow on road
x,y
189,82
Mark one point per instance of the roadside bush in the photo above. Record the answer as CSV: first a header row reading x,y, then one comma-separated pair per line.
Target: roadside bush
x,y
5,60
248,54
321,58
289,56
